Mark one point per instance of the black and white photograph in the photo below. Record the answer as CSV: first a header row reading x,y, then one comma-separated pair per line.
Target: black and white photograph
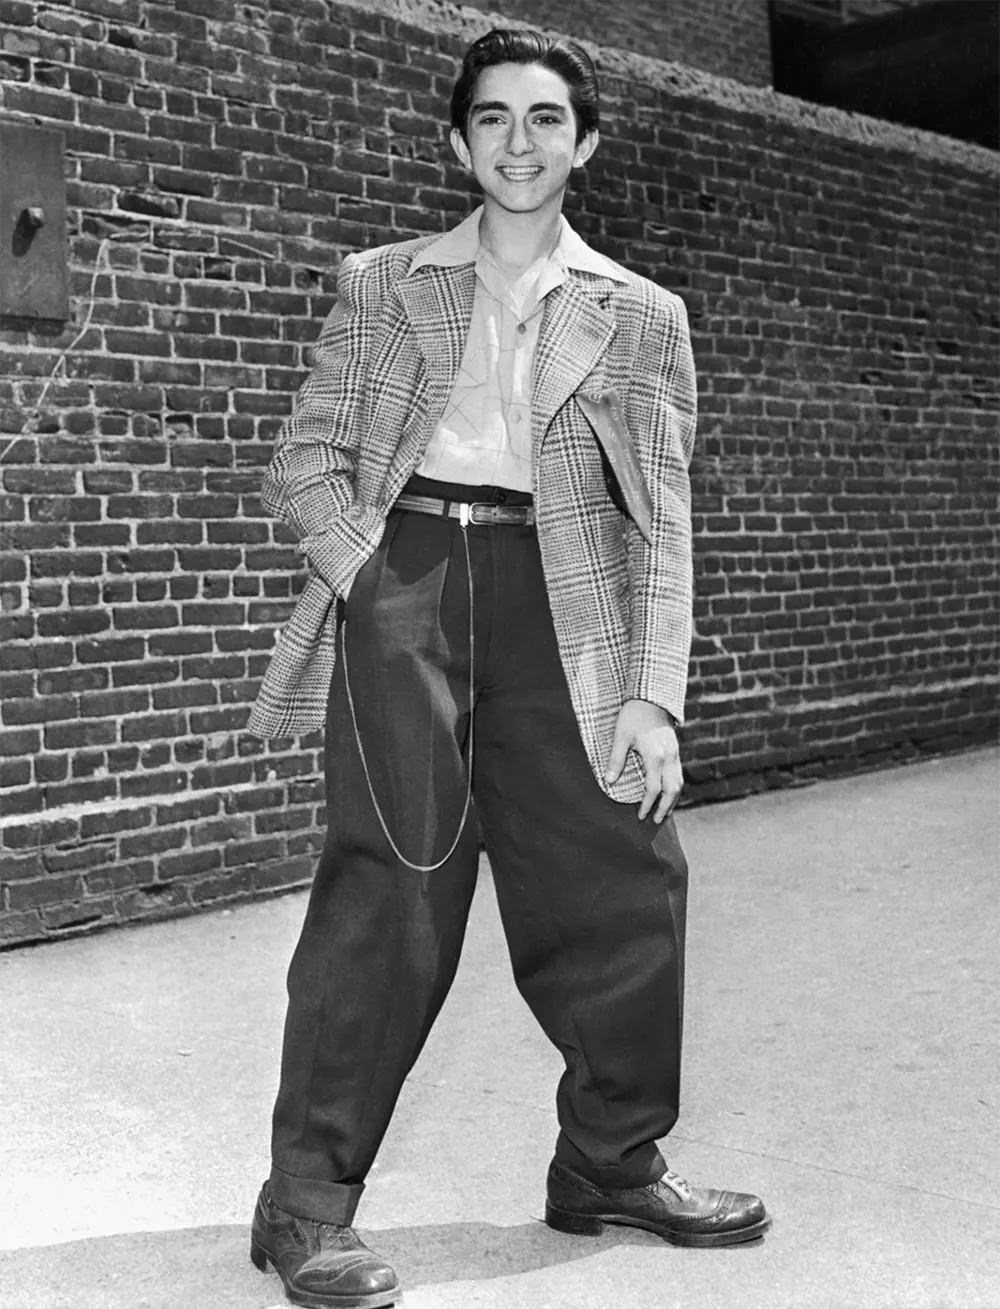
x,y
499,625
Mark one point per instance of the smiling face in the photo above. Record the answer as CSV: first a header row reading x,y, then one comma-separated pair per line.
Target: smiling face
x,y
520,140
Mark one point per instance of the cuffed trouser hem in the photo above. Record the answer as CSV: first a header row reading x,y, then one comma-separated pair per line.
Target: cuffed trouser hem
x,y
644,1168
321,1202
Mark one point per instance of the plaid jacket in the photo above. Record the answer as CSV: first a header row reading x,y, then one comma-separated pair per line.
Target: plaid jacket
x,y
385,365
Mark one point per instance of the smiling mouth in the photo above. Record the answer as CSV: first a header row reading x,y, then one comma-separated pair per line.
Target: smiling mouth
x,y
519,173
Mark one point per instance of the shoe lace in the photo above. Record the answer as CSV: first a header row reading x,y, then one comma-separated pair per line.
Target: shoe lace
x,y
333,1236
677,1184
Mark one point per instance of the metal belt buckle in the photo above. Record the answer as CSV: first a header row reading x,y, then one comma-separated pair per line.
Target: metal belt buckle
x,y
492,515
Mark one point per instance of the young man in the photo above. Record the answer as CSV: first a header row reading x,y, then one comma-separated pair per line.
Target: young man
x,y
488,471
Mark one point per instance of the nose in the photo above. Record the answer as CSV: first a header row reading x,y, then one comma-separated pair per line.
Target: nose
x,y
518,141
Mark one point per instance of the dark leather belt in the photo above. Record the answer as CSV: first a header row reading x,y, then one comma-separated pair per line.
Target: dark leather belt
x,y
484,515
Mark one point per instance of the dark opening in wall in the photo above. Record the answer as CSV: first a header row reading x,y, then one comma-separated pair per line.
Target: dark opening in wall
x,y
932,65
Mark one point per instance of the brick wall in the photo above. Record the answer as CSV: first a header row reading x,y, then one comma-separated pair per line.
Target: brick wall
x,y
221,158
728,37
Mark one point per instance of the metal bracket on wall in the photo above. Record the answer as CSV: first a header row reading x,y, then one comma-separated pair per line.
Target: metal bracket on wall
x,y
33,275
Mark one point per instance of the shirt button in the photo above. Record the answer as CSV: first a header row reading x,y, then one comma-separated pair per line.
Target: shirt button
x,y
522,328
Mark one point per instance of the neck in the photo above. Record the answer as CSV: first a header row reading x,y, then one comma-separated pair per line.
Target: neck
x,y
516,240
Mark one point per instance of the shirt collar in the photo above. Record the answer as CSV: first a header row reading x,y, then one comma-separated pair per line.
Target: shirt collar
x,y
461,246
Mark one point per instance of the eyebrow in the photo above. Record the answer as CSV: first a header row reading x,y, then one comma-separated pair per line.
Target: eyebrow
x,y
487,106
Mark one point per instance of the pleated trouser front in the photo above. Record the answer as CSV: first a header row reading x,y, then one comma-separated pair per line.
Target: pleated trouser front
x,y
592,901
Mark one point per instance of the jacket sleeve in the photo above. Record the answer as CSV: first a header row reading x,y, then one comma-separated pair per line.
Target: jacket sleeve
x,y
661,414
310,482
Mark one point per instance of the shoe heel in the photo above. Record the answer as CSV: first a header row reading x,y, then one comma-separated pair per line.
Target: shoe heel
x,y
257,1256
576,1224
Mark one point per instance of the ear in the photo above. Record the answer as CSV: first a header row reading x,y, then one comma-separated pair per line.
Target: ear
x,y
585,149
461,149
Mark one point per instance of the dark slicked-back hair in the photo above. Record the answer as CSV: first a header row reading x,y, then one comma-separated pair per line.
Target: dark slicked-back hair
x,y
519,45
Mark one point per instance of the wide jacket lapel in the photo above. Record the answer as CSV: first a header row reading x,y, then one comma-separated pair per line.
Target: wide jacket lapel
x,y
576,331
438,303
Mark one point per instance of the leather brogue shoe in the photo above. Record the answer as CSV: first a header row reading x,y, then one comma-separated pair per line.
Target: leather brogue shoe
x,y
322,1266
680,1213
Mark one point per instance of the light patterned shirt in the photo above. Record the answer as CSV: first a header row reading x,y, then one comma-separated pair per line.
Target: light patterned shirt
x,y
484,436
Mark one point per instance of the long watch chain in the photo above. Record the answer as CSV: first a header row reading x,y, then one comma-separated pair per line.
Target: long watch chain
x,y
422,868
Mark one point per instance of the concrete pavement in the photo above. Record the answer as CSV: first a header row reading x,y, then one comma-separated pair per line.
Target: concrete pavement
x,y
840,1059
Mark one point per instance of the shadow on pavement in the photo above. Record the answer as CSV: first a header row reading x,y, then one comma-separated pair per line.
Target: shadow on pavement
x,y
209,1267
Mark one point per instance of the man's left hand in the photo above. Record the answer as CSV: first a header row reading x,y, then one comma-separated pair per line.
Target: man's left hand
x,y
649,731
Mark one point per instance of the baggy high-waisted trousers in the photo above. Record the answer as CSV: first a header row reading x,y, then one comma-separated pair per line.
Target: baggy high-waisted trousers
x,y
592,901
